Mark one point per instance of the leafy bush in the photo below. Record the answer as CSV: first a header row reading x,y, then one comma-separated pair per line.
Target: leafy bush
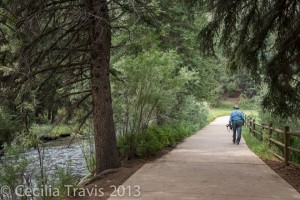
x,y
125,143
295,142
87,147
12,168
259,148
8,127
153,82
191,112
63,177
169,133
162,134
246,103
280,122
154,139
149,145
231,87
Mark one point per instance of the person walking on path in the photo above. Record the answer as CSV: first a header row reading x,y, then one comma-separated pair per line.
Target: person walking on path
x,y
236,120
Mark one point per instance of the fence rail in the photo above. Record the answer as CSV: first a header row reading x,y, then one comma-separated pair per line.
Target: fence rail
x,y
256,130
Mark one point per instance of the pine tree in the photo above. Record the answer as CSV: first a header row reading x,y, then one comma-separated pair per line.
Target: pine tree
x,y
263,37
67,42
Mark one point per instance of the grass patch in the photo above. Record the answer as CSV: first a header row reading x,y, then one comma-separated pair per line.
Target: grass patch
x,y
50,131
225,108
258,147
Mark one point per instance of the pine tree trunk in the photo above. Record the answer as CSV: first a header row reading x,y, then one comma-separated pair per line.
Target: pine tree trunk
x,y
100,38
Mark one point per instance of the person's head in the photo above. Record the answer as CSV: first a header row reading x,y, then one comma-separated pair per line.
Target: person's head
x,y
235,107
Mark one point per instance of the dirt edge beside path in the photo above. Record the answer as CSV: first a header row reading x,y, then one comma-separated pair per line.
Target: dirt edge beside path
x,y
111,181
289,173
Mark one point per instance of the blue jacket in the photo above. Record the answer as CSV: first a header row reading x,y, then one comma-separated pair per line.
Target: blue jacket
x,y
236,115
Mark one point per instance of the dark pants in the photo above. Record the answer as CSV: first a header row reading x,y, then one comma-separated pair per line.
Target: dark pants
x,y
237,130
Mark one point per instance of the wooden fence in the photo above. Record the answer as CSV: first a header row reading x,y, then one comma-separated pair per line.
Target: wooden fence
x,y
256,130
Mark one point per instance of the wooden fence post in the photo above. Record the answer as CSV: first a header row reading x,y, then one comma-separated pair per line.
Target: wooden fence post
x,y
270,133
286,145
253,127
261,137
250,125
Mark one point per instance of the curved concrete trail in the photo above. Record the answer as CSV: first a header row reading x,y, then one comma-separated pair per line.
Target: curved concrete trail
x,y
207,166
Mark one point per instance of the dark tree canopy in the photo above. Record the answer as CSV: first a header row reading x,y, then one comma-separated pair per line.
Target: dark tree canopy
x,y
59,49
264,37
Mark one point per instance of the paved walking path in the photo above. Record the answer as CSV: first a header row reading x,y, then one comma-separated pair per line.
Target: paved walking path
x,y
207,166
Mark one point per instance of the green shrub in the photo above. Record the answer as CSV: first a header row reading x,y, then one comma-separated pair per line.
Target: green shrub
x,y
280,122
12,168
8,127
246,103
63,177
123,147
182,131
259,148
149,145
154,139
160,134
295,142
126,142
170,134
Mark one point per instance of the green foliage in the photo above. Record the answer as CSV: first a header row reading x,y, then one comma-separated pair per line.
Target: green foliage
x,y
151,81
280,122
180,33
190,111
61,178
249,104
149,145
165,135
12,167
234,85
231,87
15,164
8,126
225,108
295,142
125,142
259,148
154,139
52,131
161,77
88,152
157,138
269,53
155,68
